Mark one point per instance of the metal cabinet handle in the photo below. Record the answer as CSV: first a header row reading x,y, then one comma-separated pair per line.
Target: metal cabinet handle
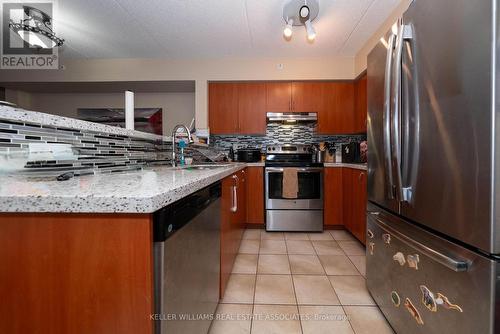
x,y
234,194
236,180
360,176
445,260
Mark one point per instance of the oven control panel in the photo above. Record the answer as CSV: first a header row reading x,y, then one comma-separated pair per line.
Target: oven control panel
x,y
289,149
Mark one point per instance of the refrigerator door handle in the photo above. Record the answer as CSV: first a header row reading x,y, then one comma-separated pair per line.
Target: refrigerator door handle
x,y
387,117
404,33
445,260
411,150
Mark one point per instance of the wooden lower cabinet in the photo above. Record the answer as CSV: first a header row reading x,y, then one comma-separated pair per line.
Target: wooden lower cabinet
x,y
333,194
76,273
345,200
233,220
354,187
255,195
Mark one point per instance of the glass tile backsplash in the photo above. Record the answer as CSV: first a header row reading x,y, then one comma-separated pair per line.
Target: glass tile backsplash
x,y
278,133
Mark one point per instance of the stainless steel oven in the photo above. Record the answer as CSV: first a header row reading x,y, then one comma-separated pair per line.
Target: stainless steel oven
x,y
305,212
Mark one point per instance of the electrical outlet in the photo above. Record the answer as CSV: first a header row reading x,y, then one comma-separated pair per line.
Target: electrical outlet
x,y
280,66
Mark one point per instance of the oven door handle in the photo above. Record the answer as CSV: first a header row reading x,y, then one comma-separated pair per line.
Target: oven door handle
x,y
304,169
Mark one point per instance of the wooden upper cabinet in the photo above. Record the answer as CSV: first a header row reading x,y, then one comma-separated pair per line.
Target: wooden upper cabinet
x,y
307,96
223,108
345,107
240,108
337,114
279,96
361,104
252,108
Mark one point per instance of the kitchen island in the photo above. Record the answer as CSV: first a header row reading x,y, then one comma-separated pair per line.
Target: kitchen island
x,y
77,254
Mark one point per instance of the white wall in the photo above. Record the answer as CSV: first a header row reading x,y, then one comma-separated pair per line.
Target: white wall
x,y
360,60
201,71
177,107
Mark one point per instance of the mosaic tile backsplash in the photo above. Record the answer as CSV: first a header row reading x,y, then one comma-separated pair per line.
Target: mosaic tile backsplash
x,y
278,133
97,152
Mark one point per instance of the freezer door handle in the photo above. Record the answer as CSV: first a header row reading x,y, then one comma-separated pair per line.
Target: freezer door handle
x,y
445,260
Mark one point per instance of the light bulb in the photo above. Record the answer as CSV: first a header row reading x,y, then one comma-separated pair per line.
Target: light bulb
x,y
311,33
287,32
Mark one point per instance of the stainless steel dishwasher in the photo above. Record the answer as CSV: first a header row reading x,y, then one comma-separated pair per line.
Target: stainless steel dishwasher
x,y
187,262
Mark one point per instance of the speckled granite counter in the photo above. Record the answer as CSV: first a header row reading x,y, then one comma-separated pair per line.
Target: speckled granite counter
x,y
132,192
346,165
255,164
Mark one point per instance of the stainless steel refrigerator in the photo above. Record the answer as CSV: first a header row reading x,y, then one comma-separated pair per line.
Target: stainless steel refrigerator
x,y
433,214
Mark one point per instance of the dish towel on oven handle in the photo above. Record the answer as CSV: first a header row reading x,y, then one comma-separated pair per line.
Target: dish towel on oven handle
x,y
290,183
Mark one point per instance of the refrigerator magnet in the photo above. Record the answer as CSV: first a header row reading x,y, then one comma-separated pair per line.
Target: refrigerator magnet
x,y
413,311
370,234
371,247
428,299
443,301
400,258
387,238
413,261
395,299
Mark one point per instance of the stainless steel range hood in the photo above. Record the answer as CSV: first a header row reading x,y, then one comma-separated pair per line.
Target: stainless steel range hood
x,y
292,117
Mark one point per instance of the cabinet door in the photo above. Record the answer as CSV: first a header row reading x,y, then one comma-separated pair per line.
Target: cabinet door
x,y
228,236
348,195
333,198
252,108
242,202
336,115
307,96
361,104
223,108
359,204
278,96
326,121
255,195
345,107
362,206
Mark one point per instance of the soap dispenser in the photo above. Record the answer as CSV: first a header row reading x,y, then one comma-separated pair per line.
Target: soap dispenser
x,y
182,159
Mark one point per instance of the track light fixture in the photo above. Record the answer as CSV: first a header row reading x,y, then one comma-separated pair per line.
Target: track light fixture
x,y
311,33
36,29
300,12
287,32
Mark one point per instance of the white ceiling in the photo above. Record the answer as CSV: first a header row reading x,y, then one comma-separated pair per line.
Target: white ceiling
x,y
211,28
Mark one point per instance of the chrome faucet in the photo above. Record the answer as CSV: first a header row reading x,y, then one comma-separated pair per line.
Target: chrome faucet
x,y
174,133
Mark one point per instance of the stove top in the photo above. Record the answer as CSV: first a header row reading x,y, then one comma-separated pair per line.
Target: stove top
x,y
290,156
292,164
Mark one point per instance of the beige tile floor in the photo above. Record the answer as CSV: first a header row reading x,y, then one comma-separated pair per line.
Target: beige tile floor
x,y
299,283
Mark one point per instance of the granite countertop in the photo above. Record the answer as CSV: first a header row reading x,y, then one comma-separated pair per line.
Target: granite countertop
x,y
35,117
361,166
255,164
132,192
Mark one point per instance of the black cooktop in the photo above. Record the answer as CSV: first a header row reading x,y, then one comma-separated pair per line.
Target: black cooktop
x,y
297,164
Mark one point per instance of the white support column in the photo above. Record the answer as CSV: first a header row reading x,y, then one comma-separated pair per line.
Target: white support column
x,y
129,110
